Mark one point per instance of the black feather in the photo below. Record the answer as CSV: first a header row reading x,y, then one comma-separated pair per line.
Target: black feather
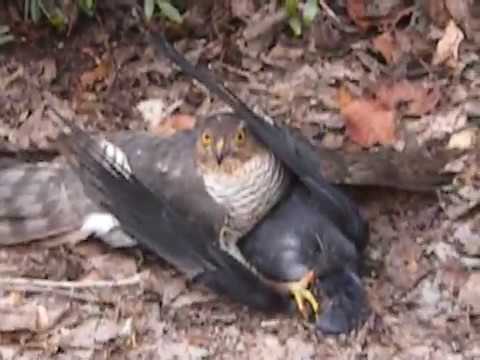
x,y
287,144
153,222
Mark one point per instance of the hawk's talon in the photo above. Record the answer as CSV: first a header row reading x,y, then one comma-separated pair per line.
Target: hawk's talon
x,y
299,290
301,293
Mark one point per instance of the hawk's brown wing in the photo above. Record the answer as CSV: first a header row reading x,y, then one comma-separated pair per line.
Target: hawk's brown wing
x,y
38,201
156,223
166,165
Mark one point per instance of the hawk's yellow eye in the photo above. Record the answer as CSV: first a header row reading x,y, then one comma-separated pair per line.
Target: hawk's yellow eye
x,y
240,136
207,139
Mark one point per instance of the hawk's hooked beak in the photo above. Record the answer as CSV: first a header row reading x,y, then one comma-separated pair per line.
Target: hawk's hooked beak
x,y
219,151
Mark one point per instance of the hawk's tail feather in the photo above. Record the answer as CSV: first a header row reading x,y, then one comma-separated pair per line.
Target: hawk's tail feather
x,y
155,224
287,144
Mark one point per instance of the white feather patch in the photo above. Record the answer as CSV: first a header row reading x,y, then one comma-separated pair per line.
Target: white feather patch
x,y
115,154
99,223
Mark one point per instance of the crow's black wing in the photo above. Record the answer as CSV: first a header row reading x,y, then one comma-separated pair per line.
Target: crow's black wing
x,y
155,224
287,144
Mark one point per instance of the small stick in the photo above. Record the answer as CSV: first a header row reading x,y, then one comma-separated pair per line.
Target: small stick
x,y
73,289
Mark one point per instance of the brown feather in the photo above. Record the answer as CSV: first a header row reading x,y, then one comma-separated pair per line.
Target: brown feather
x,y
39,200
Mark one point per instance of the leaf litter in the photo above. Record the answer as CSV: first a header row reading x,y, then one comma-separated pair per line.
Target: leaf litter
x,y
407,91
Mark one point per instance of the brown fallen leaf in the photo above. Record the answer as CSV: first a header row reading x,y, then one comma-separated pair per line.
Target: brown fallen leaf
x,y
374,13
395,45
367,121
387,45
170,125
447,48
99,73
418,99
370,119
356,11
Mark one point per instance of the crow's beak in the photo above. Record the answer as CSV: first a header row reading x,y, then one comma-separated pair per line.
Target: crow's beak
x,y
219,151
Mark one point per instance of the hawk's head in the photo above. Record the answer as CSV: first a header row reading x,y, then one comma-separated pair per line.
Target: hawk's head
x,y
225,145
239,172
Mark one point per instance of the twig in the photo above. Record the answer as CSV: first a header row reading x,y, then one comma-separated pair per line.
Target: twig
x,y
330,12
83,284
73,289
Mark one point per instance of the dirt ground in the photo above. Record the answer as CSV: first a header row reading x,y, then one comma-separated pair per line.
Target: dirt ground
x,y
355,91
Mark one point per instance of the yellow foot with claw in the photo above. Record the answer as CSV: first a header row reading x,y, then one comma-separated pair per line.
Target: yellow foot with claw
x,y
302,294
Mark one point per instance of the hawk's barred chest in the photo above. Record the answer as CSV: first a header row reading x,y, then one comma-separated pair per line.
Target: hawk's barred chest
x,y
250,192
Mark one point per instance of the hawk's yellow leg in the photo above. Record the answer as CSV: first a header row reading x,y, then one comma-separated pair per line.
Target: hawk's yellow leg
x,y
228,239
298,289
302,294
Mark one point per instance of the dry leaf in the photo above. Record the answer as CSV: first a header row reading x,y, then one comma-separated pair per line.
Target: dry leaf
x,y
371,119
356,12
440,124
387,45
170,125
374,13
159,118
418,99
344,97
99,73
463,140
395,45
447,47
152,110
368,122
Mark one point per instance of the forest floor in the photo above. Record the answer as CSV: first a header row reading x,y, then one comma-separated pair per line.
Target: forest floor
x,y
412,82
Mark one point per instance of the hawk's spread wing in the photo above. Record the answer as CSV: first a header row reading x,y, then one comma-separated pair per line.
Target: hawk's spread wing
x,y
166,165
282,247
46,199
287,144
158,225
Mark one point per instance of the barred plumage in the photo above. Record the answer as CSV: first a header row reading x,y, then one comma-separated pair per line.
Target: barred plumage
x,y
250,192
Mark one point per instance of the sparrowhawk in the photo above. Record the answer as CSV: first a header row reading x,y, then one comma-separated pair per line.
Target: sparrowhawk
x,y
217,174
195,173
294,240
